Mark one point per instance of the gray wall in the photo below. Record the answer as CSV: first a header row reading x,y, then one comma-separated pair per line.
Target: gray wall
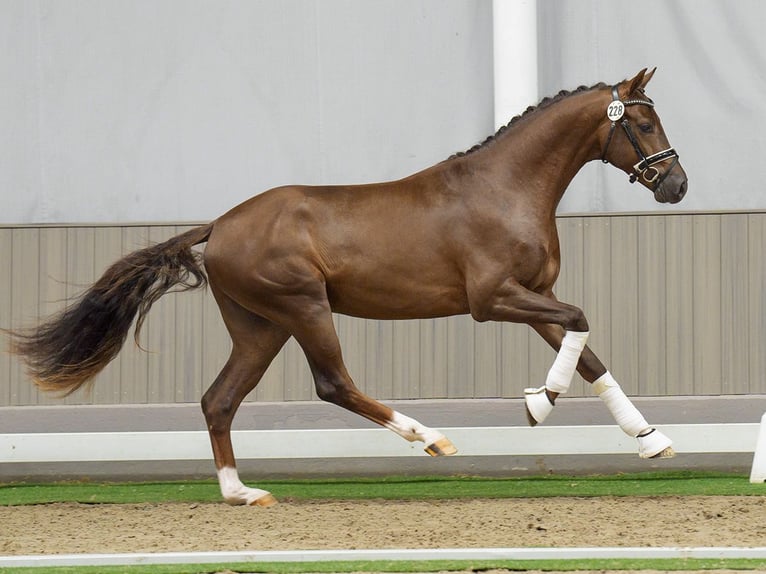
x,y
176,110
676,304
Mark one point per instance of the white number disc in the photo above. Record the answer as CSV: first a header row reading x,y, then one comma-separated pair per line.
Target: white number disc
x,y
615,110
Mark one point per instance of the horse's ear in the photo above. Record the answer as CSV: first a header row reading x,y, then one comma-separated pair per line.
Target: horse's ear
x,y
647,77
630,86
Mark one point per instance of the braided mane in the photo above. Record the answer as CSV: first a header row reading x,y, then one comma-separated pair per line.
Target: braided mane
x,y
544,103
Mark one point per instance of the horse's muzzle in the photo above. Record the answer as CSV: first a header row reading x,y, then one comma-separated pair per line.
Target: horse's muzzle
x,y
672,189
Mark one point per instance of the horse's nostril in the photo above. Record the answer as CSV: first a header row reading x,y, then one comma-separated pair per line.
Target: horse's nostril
x,y
682,189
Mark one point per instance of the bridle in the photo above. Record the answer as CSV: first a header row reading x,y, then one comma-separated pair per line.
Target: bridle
x,y
645,167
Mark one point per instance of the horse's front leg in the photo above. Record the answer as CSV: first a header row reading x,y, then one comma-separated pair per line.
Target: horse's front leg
x,y
566,329
651,442
510,301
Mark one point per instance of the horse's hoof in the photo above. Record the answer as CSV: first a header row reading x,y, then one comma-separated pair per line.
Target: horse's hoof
x,y
265,501
530,419
667,453
654,444
441,447
537,404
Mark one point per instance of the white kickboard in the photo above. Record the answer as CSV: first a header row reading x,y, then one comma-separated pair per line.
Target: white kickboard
x,y
758,472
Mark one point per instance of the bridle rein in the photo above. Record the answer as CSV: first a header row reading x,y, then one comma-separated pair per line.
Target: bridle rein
x,y
645,167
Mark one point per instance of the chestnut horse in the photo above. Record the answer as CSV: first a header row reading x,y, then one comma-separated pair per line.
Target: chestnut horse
x,y
474,234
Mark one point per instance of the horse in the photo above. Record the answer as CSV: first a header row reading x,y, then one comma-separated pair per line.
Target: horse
x,y
474,234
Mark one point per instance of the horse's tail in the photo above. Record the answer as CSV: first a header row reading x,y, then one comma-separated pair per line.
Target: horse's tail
x,y
73,346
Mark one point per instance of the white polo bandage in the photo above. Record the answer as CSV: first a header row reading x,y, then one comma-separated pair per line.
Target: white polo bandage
x,y
563,368
631,421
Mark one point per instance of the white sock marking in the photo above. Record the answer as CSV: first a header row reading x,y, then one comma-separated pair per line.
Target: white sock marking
x,y
412,430
232,489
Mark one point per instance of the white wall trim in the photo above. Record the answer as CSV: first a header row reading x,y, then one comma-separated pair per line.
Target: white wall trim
x,y
364,443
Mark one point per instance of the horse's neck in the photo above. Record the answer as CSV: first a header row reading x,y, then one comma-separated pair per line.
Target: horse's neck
x,y
543,152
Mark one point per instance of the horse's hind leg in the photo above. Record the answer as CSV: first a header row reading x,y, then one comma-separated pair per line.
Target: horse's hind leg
x,y
255,343
316,334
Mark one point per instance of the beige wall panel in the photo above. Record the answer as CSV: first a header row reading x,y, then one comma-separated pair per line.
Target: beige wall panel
x,y
7,362
25,286
623,291
756,318
488,364
379,372
405,358
514,360
460,356
651,305
433,356
734,304
680,293
707,304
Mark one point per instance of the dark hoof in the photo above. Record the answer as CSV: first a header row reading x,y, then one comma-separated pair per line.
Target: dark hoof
x,y
530,419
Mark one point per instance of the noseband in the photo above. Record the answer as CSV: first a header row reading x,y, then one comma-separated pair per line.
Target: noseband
x,y
645,167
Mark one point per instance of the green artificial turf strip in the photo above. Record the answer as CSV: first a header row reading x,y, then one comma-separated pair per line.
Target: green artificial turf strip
x,y
680,483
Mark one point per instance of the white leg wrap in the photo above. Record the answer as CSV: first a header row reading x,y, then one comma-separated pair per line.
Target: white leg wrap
x,y
631,421
412,430
563,368
651,442
235,493
559,376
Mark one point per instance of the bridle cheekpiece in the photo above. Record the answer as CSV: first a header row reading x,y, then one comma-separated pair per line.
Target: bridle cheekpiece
x,y
645,167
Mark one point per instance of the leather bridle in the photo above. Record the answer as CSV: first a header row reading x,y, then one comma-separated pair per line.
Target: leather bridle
x,y
645,167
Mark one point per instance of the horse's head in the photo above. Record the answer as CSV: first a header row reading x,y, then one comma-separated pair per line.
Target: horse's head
x,y
633,140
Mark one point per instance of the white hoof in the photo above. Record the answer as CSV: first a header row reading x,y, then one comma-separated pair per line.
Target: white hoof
x,y
654,444
538,405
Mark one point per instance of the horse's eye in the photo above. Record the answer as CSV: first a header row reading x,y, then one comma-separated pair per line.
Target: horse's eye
x,y
646,128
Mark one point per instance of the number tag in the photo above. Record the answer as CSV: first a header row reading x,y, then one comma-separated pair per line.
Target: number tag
x,y
615,110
